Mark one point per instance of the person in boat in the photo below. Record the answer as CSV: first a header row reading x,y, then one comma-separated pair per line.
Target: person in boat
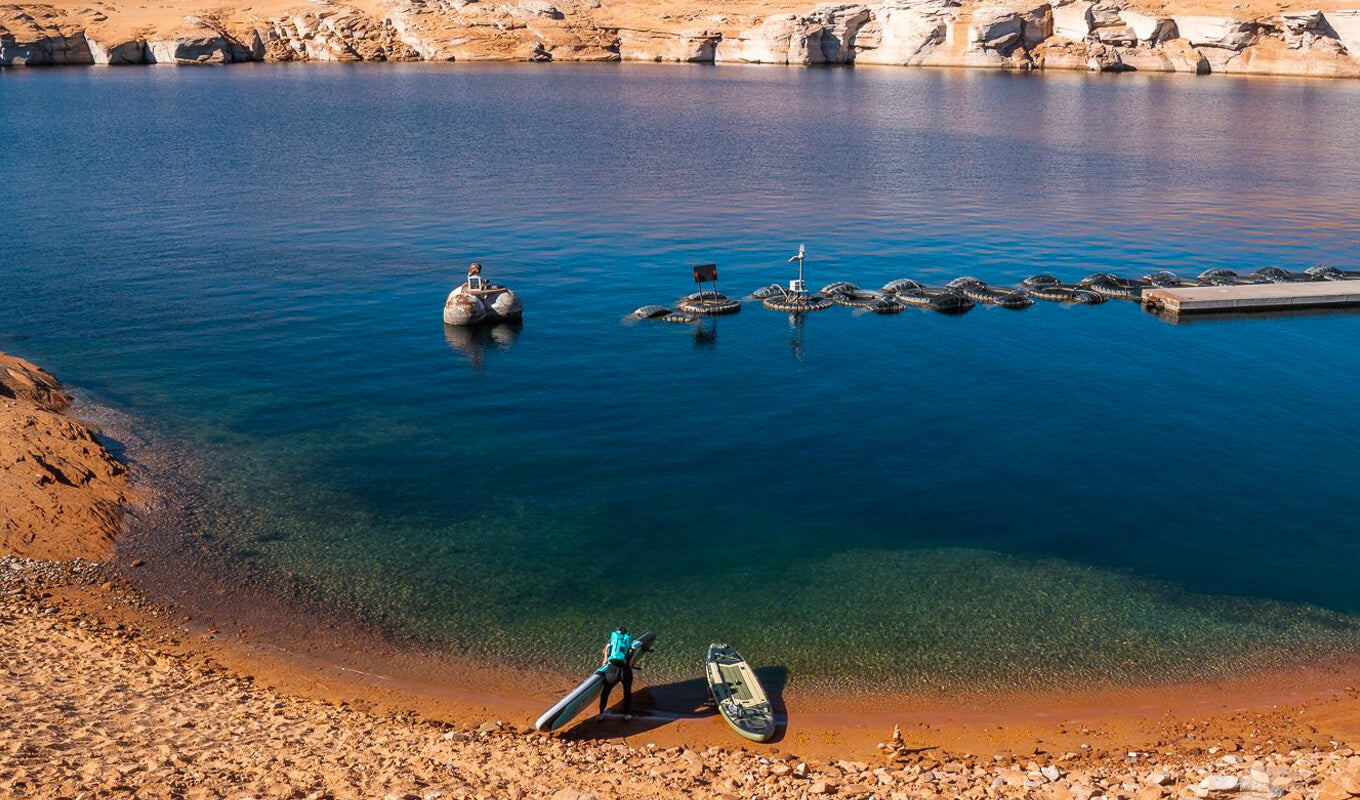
x,y
617,670
475,276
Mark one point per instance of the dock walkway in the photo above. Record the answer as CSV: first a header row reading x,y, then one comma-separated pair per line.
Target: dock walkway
x,y
1254,297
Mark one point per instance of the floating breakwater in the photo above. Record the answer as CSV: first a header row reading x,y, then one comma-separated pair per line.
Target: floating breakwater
x,y
961,294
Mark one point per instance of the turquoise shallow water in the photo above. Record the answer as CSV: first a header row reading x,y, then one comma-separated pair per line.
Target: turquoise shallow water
x,y
253,261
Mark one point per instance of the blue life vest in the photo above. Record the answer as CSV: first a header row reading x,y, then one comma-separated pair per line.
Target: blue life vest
x,y
619,645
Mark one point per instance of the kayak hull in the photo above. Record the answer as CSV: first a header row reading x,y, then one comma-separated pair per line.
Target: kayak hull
x,y
738,694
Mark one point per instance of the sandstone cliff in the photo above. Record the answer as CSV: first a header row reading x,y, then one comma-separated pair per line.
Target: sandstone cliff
x,y
61,493
1110,35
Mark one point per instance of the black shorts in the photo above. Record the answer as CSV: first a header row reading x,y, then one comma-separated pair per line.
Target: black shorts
x,y
616,671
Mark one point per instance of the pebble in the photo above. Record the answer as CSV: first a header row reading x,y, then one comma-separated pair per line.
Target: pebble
x,y
1220,783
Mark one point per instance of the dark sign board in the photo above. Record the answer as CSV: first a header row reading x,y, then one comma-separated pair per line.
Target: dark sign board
x,y
705,273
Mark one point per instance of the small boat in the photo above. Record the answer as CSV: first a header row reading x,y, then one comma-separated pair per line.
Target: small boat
x,y
738,694
478,301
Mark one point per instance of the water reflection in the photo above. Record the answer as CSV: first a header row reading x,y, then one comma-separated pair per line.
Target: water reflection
x,y
474,342
1239,316
706,334
796,337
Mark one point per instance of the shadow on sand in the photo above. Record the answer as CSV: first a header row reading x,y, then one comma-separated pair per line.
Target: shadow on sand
x,y
656,706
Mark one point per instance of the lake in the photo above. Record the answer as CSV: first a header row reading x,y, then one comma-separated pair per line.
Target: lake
x,y
251,261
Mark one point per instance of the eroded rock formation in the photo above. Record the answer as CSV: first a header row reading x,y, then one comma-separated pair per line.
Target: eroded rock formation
x,y
61,493
1109,35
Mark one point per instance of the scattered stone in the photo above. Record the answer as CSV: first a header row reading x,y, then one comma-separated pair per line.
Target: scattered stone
x,y
1158,778
1220,783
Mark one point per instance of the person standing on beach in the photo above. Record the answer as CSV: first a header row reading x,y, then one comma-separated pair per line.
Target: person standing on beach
x,y
618,670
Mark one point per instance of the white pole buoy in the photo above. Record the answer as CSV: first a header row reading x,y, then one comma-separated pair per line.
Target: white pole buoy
x,y
799,287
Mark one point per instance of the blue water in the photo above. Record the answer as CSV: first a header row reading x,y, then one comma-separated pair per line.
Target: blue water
x,y
252,261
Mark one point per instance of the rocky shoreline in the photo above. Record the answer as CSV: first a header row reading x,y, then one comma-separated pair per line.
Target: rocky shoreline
x,y
1107,36
61,490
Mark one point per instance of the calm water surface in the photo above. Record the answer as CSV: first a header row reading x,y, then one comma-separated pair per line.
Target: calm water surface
x,y
253,261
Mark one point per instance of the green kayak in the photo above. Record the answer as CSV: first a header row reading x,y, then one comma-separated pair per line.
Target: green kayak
x,y
738,693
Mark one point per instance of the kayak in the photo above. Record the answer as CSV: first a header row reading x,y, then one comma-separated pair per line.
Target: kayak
x,y
738,694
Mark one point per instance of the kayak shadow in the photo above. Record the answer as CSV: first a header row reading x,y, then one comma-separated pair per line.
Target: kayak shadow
x,y
653,707
774,678
660,705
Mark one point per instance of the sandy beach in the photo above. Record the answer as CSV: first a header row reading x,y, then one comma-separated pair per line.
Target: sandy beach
x,y
105,692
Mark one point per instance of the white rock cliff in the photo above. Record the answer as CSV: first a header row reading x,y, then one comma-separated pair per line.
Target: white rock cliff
x,y
1110,35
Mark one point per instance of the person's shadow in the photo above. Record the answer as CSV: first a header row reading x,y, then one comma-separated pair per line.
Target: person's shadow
x,y
656,706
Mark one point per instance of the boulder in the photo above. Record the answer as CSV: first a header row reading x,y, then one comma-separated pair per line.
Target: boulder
x,y
837,28
1103,58
767,43
1222,32
1297,23
1038,25
1345,25
1072,21
902,33
997,30
1148,29
26,382
1220,783
189,50
44,51
652,45
1105,15
198,41
1120,35
118,53
1182,57
1060,53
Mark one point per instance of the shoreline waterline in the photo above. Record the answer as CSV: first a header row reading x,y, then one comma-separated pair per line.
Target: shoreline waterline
x,y
180,562
380,676
94,662
302,646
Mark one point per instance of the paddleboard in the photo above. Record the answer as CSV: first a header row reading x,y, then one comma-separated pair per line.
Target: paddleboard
x,y
740,698
587,690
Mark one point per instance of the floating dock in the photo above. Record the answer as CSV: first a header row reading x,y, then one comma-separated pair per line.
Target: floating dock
x,y
1254,297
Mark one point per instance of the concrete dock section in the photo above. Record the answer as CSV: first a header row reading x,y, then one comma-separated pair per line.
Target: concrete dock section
x,y
1254,297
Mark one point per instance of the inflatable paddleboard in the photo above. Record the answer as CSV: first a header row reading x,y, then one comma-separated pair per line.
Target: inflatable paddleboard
x,y
587,690
739,696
